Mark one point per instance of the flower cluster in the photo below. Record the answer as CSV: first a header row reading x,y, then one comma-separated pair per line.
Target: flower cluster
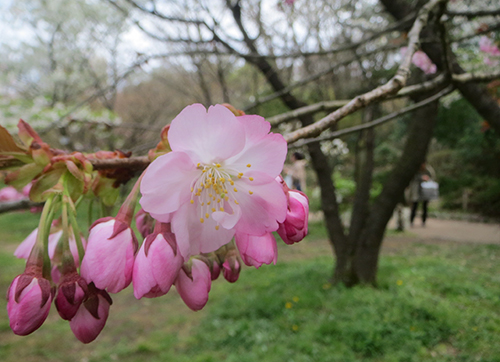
x,y
211,199
488,46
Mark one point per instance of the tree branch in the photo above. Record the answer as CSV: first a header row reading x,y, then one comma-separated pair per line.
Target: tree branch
x,y
18,205
378,121
474,14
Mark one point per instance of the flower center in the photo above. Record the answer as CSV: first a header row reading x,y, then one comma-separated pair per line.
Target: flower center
x,y
214,190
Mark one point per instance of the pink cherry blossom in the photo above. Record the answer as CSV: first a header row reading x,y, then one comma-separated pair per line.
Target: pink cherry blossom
x,y
194,290
422,61
109,257
257,250
218,179
144,223
9,193
91,316
215,271
295,226
156,265
487,46
231,267
491,62
28,306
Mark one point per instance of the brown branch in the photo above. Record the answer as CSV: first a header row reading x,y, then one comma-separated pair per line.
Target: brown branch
x,y
18,205
132,163
475,77
336,104
473,14
378,121
391,87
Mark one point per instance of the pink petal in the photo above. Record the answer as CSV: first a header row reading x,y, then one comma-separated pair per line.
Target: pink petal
x,y
256,127
258,154
194,237
257,250
108,262
167,183
24,249
155,274
206,137
85,326
263,209
143,278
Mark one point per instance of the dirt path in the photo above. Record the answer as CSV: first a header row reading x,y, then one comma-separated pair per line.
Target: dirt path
x,y
458,231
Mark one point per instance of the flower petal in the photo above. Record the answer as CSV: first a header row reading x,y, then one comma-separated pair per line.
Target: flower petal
x,y
206,137
194,237
264,155
262,209
174,170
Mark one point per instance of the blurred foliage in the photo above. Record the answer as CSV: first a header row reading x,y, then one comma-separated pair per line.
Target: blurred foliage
x,y
466,159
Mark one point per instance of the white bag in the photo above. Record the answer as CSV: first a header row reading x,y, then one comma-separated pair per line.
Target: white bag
x,y
429,190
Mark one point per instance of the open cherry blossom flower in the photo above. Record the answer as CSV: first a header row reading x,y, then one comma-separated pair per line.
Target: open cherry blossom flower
x,y
218,179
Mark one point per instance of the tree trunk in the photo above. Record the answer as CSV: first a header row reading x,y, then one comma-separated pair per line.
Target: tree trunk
x,y
365,260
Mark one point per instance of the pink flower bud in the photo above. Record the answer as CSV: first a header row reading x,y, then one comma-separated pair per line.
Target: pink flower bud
x,y
257,250
144,222
194,289
9,193
28,306
24,249
215,272
422,61
92,315
71,293
294,228
231,267
109,258
156,265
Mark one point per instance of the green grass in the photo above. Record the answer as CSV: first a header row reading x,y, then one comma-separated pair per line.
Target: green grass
x,y
435,302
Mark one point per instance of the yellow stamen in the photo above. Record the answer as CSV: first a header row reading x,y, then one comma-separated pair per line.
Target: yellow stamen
x,y
217,165
192,201
221,209
235,190
249,165
207,215
216,227
201,220
236,202
213,209
250,192
250,178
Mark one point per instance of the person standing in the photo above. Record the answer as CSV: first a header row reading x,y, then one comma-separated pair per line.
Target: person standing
x,y
416,194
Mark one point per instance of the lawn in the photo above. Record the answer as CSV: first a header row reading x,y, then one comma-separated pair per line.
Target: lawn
x,y
435,302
